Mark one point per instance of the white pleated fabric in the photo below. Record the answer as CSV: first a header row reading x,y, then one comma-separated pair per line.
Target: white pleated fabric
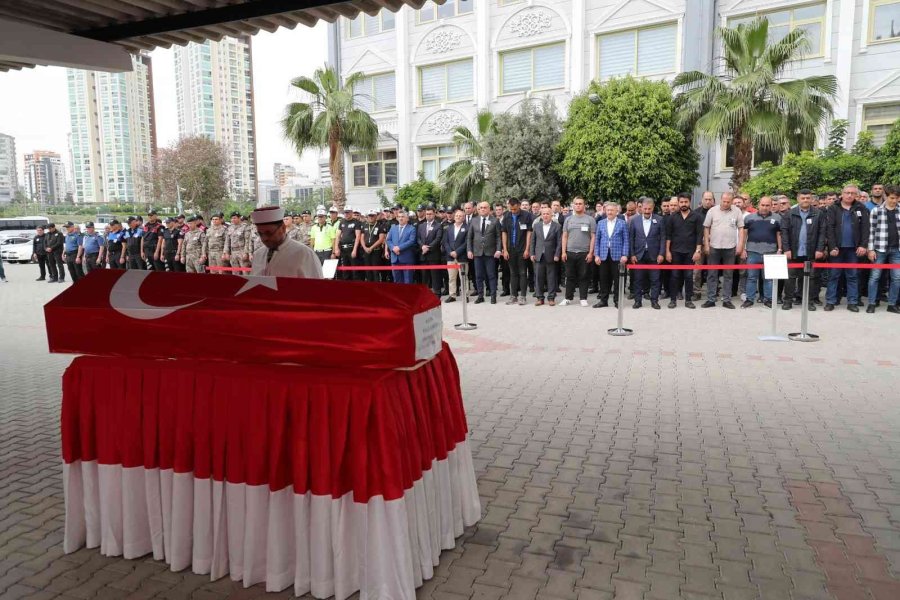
x,y
317,544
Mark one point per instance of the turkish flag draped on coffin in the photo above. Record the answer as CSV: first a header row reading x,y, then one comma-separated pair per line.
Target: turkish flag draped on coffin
x,y
246,319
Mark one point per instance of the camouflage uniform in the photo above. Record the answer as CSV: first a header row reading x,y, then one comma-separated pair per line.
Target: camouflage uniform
x,y
300,233
214,246
255,242
237,244
192,249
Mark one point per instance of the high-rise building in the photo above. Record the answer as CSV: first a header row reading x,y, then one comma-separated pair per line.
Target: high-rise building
x,y
44,177
283,173
113,138
430,70
9,180
214,89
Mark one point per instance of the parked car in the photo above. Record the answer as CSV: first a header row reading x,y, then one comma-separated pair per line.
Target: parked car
x,y
16,249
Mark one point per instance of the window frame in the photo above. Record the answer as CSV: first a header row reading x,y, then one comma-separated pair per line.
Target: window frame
x,y
531,49
379,159
870,34
419,100
434,11
792,24
723,164
437,158
371,78
636,31
362,25
865,123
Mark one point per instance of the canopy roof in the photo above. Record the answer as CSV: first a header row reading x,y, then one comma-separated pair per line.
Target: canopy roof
x,y
99,33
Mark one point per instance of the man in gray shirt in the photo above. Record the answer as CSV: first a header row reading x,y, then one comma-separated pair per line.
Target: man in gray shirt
x,y
721,245
579,230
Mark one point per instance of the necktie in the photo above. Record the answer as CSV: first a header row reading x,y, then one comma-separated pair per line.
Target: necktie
x,y
482,227
269,255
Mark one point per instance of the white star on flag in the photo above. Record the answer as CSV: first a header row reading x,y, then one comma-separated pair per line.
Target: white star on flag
x,y
253,281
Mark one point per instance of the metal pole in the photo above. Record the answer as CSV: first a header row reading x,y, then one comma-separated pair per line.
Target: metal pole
x,y
774,337
804,335
619,330
464,276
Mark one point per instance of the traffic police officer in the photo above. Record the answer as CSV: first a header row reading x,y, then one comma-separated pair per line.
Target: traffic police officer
x,y
321,237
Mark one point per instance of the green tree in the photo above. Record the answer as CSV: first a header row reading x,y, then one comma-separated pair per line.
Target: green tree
x,y
199,167
466,178
620,141
330,119
889,156
520,152
752,103
836,137
419,191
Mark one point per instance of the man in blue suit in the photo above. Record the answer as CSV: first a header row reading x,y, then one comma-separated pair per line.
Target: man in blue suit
x,y
646,239
610,249
401,243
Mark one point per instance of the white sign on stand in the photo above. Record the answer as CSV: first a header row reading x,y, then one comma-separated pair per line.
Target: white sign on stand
x,y
775,267
329,268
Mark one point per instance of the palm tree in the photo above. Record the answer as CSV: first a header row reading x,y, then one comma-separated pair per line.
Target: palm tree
x,y
465,179
330,119
751,103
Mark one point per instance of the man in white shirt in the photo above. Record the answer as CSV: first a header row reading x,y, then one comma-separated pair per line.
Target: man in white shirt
x,y
280,256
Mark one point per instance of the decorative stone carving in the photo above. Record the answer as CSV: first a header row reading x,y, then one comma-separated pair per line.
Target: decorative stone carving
x,y
443,41
529,23
443,122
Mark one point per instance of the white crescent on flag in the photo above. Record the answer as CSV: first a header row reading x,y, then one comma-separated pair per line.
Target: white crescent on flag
x,y
125,298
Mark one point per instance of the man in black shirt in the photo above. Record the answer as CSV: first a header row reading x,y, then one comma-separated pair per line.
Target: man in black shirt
x,y
516,238
150,249
53,244
684,242
371,245
39,252
171,241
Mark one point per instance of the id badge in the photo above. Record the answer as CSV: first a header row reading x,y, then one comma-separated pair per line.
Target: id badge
x,y
809,221
585,228
523,226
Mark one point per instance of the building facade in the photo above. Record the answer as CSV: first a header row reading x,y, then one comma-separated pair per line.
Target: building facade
x,y
430,70
44,177
113,134
9,178
214,90
283,173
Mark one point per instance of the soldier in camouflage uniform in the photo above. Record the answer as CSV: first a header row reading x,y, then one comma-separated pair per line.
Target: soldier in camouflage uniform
x,y
214,243
192,249
237,242
300,231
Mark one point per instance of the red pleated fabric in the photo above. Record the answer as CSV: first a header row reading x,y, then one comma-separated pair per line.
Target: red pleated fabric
x,y
324,431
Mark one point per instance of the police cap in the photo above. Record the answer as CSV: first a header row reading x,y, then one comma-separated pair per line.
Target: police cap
x,y
234,214
88,224
69,224
420,207
305,212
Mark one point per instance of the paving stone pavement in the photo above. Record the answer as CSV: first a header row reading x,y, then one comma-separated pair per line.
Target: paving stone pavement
x,y
687,461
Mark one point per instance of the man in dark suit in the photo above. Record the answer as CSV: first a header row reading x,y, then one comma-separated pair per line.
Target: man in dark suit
x,y
516,232
847,234
429,237
455,237
802,239
483,248
545,250
647,240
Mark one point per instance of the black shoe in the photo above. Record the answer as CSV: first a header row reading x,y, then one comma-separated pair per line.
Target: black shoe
x,y
893,308
852,308
727,304
655,305
780,301
62,280
504,294
630,296
601,304
41,279
646,295
811,307
494,299
787,306
52,280
817,301
708,304
689,304
636,305
870,309
829,307
593,290
449,300
747,304
479,299
767,303
672,304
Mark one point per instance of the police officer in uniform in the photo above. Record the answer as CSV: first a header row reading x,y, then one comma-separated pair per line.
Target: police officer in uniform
x,y
115,245
371,243
53,244
39,252
171,246
71,244
321,237
134,237
346,245
90,251
150,246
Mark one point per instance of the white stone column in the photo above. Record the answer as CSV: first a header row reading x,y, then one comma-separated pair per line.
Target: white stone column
x,y
483,55
577,59
844,58
403,76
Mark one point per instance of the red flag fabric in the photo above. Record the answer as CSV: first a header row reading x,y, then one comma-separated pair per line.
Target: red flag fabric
x,y
144,314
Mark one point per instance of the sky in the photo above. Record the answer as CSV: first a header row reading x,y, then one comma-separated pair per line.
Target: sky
x,y
34,104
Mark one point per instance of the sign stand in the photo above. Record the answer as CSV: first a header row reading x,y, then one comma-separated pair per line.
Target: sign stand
x,y
774,268
464,282
619,330
804,335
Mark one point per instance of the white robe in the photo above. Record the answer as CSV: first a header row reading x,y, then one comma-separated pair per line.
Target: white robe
x,y
291,259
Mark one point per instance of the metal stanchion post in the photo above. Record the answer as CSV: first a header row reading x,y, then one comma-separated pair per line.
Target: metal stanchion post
x,y
774,337
804,335
464,282
619,330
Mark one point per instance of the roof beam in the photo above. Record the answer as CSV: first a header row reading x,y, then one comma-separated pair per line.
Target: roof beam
x,y
201,18
22,43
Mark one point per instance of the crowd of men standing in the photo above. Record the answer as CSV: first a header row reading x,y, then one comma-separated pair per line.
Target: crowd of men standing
x,y
516,248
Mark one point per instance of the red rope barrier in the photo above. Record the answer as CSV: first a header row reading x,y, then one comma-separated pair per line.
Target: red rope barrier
x,y
229,269
817,265
401,268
